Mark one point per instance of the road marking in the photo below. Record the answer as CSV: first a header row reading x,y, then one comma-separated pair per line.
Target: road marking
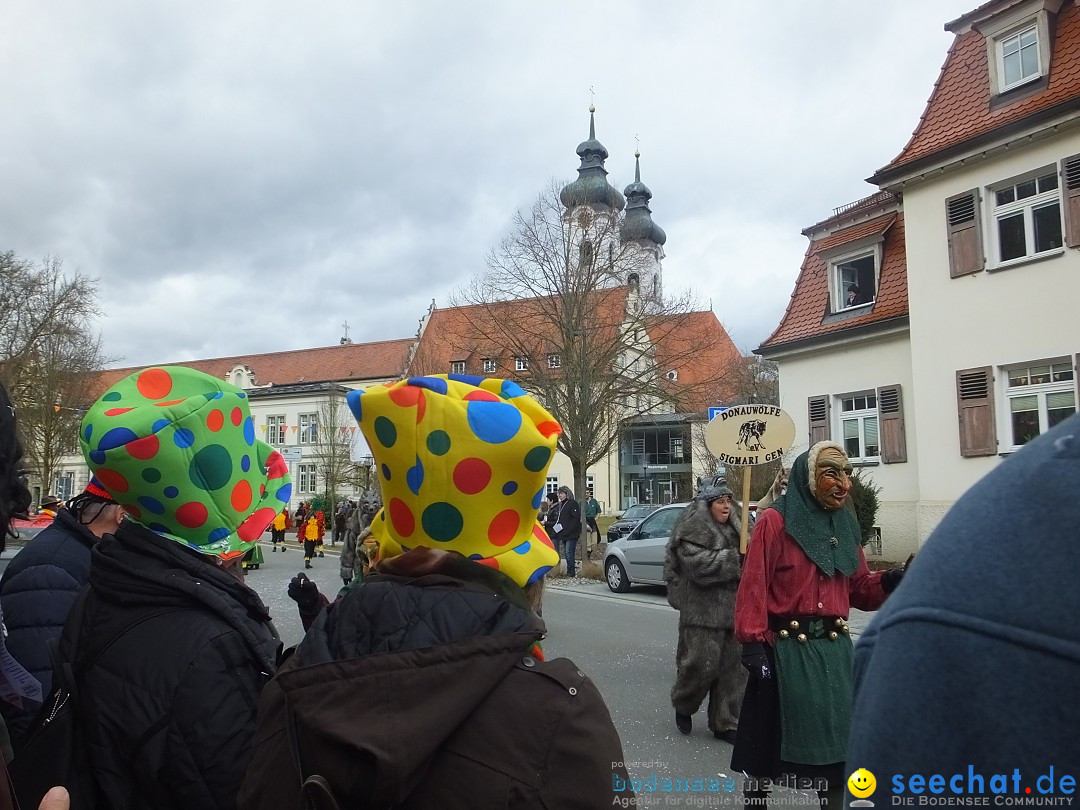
x,y
611,598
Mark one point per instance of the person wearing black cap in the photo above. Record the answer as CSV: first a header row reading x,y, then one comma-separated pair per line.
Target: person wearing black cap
x,y
40,585
702,568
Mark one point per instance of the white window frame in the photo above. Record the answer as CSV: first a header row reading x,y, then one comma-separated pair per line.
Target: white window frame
x,y
64,485
521,363
838,288
276,430
1026,207
306,478
489,365
457,367
860,416
1003,28
1002,42
1061,380
589,485
305,422
551,484
554,360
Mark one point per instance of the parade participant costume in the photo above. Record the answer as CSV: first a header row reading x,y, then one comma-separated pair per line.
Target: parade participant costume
x,y
423,684
173,713
804,570
701,568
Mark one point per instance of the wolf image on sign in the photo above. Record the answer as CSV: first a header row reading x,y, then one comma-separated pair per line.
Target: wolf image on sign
x,y
750,433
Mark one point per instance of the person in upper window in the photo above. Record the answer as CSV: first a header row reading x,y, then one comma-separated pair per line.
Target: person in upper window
x,y
854,296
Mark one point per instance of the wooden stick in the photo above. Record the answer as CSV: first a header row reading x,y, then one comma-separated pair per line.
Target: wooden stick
x,y
745,508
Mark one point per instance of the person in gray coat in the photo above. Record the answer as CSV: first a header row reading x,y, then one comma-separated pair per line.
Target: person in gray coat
x,y
701,568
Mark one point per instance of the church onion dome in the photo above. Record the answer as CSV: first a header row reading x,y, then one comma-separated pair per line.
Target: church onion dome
x,y
591,186
638,223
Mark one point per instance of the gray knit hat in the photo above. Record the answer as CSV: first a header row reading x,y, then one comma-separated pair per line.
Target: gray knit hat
x,y
711,492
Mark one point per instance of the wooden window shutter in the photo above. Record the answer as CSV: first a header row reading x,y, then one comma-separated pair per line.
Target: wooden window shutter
x,y
819,419
965,234
975,409
891,420
1070,182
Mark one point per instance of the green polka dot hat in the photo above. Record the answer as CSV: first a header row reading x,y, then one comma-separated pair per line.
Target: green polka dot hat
x,y
177,449
462,462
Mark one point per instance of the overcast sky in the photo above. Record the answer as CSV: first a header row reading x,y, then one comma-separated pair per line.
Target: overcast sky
x,y
245,176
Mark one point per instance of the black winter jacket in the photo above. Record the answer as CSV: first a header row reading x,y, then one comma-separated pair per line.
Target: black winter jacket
x,y
416,689
171,720
37,591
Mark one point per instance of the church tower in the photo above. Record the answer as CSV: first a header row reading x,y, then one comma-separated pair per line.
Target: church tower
x,y
643,237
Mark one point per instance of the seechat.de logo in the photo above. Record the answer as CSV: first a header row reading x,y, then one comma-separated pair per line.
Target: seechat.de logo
x,y
862,784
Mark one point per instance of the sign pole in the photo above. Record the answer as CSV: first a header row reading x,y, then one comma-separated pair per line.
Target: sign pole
x,y
745,509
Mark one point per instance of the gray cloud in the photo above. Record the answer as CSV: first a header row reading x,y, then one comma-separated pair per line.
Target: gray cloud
x,y
245,176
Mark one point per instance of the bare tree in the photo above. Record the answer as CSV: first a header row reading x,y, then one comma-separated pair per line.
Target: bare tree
x,y
561,295
50,352
333,441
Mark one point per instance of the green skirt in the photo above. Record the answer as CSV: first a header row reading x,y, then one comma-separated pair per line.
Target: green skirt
x,y
815,683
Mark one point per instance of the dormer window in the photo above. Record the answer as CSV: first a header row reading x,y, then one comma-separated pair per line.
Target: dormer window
x,y
853,279
554,361
521,363
489,365
457,367
1018,58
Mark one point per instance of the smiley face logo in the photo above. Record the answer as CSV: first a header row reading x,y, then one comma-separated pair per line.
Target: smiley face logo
x,y
861,783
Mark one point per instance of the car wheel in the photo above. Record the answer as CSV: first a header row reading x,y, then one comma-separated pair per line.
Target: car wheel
x,y
617,579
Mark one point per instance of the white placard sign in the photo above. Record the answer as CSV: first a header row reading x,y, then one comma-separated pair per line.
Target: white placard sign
x,y
747,435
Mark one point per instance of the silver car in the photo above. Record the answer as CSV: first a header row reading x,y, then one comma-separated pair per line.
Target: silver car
x,y
638,558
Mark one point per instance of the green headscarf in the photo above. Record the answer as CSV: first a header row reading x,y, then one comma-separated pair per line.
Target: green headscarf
x,y
813,526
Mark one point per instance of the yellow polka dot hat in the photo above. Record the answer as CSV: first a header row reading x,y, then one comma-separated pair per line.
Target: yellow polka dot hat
x,y
462,461
177,449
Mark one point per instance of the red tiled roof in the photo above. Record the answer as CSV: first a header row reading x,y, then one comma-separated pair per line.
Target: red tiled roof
x,y
679,340
809,304
959,106
352,361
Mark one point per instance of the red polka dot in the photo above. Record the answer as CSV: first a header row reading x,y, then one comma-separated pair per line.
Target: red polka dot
x,y
262,490
215,420
255,525
237,416
481,396
490,562
116,411
541,535
241,496
549,429
504,527
408,396
170,402
144,448
276,466
154,383
402,518
112,480
471,475
132,510
192,514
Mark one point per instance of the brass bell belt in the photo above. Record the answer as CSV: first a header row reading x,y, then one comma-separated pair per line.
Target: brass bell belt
x,y
805,629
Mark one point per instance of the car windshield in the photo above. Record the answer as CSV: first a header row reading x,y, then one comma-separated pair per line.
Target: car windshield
x,y
638,512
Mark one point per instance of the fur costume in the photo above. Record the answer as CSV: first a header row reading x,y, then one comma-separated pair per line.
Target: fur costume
x,y
702,568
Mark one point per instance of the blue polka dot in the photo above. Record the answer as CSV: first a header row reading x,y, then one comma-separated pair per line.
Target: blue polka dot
x,y
476,556
97,457
249,431
171,492
511,389
117,437
284,493
539,496
404,548
510,487
151,504
538,574
159,424
415,477
245,463
218,534
523,548
385,472
88,431
241,395
436,384
352,399
470,379
493,422
184,438
151,475
213,395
